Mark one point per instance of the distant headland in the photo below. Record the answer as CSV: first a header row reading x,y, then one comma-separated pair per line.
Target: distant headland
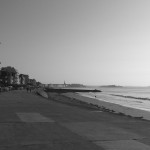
x,y
112,86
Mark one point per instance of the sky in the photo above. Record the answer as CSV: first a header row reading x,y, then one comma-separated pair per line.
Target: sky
x,y
92,42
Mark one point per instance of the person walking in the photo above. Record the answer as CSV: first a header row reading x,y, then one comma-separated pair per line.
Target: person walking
x,y
27,88
30,89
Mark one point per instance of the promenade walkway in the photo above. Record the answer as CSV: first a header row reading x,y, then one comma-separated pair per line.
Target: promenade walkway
x,y
30,122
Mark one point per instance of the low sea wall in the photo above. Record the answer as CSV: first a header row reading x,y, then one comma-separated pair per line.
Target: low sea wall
x,y
129,111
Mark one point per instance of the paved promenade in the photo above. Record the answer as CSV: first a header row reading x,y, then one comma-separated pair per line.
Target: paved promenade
x,y
30,122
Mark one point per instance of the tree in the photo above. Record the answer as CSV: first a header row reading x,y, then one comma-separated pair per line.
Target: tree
x,y
9,69
8,75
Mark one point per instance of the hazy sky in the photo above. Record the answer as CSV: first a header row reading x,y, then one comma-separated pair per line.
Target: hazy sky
x,y
79,41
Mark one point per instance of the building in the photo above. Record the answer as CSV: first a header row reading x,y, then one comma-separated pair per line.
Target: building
x,y
23,79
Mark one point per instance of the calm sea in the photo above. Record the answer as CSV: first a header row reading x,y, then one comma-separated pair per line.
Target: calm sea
x,y
143,92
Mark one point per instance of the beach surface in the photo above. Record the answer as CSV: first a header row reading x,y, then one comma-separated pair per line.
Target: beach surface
x,y
29,121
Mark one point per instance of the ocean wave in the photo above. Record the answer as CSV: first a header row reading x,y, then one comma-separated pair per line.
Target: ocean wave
x,y
132,97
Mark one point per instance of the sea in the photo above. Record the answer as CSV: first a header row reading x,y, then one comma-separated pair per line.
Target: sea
x,y
134,97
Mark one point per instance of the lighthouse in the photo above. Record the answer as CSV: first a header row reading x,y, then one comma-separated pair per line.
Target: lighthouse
x,y
64,84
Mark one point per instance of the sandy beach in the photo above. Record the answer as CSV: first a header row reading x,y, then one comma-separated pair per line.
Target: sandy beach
x,y
107,106
65,99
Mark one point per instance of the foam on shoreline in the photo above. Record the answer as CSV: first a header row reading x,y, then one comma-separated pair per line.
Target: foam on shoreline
x,y
117,108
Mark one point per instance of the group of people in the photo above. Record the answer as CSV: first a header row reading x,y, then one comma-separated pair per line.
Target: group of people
x,y
29,88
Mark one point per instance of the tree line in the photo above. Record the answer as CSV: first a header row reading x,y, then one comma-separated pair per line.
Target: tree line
x,y
9,76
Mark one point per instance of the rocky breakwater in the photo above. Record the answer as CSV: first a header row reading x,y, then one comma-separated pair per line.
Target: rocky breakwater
x,y
66,90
